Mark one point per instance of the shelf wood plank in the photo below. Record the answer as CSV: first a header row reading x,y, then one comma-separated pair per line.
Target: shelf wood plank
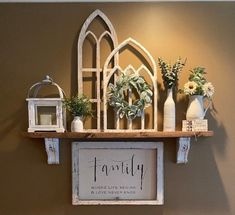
x,y
117,135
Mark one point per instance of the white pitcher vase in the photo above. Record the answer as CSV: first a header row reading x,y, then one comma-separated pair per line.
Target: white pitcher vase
x,y
196,109
77,124
169,112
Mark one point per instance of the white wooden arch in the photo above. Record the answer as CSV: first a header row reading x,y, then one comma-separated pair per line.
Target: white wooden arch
x,y
84,33
108,73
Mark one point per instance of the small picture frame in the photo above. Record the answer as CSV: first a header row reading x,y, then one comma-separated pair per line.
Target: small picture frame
x,y
117,173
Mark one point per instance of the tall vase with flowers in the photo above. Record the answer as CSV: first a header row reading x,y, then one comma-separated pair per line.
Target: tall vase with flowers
x,y
170,76
198,89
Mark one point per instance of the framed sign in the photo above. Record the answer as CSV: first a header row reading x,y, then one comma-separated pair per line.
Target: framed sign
x,y
115,173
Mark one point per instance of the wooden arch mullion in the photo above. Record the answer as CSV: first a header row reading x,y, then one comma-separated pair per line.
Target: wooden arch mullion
x,y
82,36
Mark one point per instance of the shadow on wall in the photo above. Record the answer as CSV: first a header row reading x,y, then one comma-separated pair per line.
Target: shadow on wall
x,y
197,184
30,186
180,180
11,122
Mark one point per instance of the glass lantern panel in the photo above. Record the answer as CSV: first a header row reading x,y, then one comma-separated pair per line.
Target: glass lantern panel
x,y
45,115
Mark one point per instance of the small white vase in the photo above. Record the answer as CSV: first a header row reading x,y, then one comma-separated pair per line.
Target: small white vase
x,y
196,108
169,112
77,124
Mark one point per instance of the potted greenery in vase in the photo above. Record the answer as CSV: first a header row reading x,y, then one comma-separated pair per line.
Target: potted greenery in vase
x,y
198,88
170,76
80,107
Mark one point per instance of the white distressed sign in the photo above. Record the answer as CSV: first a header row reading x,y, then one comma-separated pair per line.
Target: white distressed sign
x,y
117,173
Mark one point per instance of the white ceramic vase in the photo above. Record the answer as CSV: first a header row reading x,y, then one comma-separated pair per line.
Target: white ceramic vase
x,y
169,112
77,124
196,108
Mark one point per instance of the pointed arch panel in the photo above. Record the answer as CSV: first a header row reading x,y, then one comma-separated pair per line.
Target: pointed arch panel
x,y
97,70
150,72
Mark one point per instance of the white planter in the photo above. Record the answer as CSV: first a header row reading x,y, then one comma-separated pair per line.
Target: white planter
x,y
77,124
169,112
196,108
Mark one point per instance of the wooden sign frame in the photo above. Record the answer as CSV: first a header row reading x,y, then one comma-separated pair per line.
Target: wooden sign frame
x,y
81,156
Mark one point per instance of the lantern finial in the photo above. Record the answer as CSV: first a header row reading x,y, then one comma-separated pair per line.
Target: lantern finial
x,y
47,80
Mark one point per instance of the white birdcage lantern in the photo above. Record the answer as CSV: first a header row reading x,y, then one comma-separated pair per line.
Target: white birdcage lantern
x,y
46,114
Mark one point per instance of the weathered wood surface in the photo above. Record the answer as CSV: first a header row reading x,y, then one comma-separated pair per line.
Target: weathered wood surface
x,y
158,200
117,134
183,150
52,150
84,33
151,73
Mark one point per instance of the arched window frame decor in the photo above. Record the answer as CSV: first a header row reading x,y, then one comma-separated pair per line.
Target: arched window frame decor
x,y
108,73
84,33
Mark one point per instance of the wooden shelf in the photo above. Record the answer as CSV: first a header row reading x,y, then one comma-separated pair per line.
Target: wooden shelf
x,y
117,135
51,140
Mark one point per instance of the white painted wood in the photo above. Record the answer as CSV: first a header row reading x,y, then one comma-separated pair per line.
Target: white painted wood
x,y
34,103
76,146
84,33
143,121
152,74
93,70
118,202
160,175
117,145
52,150
75,173
130,103
117,122
195,125
183,150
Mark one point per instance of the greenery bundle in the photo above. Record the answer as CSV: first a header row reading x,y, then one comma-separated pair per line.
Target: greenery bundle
x,y
198,85
78,105
170,74
116,95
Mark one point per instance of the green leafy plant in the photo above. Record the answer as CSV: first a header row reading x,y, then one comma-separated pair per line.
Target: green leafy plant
x,y
116,95
170,74
197,84
79,106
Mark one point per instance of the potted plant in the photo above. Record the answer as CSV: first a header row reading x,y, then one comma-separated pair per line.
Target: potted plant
x,y
170,76
80,107
198,88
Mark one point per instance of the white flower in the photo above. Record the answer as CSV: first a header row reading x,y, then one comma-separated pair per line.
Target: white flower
x,y
208,89
190,88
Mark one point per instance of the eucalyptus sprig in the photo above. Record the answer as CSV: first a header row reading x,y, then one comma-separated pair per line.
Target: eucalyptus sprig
x,y
78,105
170,74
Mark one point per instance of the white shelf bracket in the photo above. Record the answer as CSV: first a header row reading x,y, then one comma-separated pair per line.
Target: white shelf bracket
x,y
183,147
52,150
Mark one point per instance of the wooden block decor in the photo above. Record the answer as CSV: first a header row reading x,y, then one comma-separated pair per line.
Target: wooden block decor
x,y
195,125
